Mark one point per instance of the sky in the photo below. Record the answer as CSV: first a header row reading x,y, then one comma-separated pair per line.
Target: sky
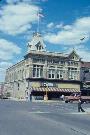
x,y
63,24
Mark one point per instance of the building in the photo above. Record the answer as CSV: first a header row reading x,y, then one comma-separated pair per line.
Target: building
x,y
1,88
85,71
42,73
85,78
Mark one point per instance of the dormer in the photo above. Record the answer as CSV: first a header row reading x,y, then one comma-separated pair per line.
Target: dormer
x,y
74,56
36,43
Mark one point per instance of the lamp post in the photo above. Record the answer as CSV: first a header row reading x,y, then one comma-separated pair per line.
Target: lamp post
x,y
46,95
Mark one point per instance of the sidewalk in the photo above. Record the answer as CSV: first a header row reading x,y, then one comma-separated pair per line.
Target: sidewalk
x,y
87,110
44,101
16,99
48,101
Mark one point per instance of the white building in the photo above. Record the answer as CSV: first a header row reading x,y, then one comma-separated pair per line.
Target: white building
x,y
61,72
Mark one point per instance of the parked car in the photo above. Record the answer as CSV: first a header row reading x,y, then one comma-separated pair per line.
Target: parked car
x,y
3,96
75,97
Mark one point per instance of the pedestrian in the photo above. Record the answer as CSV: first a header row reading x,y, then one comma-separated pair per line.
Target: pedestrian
x,y
30,97
62,97
80,102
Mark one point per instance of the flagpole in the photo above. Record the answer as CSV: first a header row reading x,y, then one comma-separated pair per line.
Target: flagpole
x,y
39,15
38,23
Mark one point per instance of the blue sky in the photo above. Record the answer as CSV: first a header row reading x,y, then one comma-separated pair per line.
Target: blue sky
x,y
64,23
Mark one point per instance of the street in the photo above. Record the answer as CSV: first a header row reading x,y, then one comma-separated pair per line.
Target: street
x,y
43,118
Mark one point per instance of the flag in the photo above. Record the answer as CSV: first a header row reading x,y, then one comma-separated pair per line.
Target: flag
x,y
40,15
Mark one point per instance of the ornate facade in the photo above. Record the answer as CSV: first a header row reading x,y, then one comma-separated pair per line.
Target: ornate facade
x,y
58,71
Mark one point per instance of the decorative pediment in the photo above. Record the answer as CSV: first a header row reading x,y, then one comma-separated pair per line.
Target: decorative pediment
x,y
74,56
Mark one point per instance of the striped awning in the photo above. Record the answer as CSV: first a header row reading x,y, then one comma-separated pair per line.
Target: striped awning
x,y
53,89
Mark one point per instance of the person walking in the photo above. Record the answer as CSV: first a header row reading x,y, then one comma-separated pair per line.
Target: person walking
x,y
80,102
30,97
62,97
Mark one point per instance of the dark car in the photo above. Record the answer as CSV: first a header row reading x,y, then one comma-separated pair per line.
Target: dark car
x,y
3,96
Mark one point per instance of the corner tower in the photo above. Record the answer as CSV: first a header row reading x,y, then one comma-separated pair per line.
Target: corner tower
x,y
37,43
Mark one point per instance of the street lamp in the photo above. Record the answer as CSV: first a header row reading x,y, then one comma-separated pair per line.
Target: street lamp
x,y
46,95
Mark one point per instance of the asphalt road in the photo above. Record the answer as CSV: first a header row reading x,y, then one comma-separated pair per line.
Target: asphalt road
x,y
43,118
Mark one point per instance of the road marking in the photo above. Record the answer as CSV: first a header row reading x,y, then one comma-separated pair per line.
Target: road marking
x,y
79,113
37,112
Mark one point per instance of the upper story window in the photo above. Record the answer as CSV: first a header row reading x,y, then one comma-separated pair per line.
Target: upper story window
x,y
55,73
71,63
59,74
53,61
76,64
51,73
38,60
73,73
56,61
38,71
50,61
62,62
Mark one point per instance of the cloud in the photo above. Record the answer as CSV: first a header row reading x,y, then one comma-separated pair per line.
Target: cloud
x,y
71,34
81,50
3,67
17,1
67,27
50,25
44,0
17,18
59,26
12,1
7,52
84,54
25,1
8,49
2,75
